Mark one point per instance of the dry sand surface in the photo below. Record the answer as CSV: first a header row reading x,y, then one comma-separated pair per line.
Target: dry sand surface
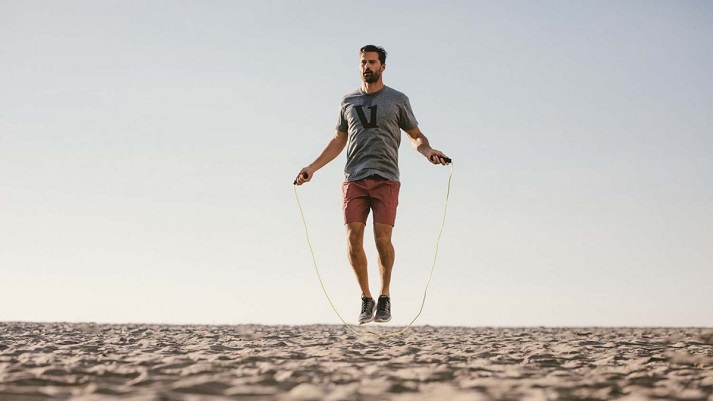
x,y
161,362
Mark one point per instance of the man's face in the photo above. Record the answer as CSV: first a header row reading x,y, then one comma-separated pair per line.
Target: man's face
x,y
370,67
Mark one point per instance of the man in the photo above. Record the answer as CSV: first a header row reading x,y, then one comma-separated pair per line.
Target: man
x,y
369,125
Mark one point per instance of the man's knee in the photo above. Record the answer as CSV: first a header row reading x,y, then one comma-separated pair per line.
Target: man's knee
x,y
383,245
355,235
382,237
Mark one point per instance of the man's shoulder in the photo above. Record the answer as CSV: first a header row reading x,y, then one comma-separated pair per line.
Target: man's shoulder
x,y
349,96
394,94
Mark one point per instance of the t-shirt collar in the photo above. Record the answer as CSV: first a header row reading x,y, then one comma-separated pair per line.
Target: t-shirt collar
x,y
361,91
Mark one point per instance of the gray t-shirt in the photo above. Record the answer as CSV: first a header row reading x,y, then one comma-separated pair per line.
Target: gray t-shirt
x,y
374,122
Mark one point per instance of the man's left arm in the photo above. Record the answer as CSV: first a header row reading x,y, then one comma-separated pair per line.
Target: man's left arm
x,y
421,144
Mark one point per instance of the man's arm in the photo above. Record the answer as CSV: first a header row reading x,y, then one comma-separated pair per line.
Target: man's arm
x,y
420,143
330,152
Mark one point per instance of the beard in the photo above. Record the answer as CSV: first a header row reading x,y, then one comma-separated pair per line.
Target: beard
x,y
371,77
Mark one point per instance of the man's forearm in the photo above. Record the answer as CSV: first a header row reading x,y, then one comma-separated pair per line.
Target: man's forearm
x,y
421,144
330,152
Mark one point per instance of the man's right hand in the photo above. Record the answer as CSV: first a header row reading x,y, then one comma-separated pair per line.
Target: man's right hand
x,y
305,175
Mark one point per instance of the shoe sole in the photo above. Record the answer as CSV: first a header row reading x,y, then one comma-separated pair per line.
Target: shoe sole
x,y
383,320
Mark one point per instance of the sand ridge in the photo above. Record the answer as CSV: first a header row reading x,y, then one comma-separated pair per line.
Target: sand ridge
x,y
41,361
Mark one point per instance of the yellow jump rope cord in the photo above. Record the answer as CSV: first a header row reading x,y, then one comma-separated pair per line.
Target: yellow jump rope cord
x,y
425,291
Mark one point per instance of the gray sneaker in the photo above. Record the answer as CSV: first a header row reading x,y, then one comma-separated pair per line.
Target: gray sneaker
x,y
383,310
367,309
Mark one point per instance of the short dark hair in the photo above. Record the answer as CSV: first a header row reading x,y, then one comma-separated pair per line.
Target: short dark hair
x,y
377,49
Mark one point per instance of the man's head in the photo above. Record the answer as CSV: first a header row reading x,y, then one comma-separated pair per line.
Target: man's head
x,y
375,49
372,62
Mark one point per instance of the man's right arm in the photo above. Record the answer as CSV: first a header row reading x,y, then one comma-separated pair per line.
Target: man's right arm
x,y
330,152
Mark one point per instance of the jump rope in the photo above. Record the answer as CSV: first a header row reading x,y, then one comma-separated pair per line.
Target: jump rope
x,y
430,275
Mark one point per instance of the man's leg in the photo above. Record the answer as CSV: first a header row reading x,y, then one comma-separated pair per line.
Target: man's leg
x,y
357,256
382,236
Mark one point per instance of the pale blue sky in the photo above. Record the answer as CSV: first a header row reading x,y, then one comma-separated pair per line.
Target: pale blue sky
x,y
147,151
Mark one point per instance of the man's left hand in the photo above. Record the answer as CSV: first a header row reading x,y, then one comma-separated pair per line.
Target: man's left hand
x,y
438,157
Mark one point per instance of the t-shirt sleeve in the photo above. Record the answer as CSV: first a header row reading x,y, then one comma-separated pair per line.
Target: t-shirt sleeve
x,y
406,118
342,125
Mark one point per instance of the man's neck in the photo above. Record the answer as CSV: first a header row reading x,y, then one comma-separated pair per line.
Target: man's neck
x,y
372,87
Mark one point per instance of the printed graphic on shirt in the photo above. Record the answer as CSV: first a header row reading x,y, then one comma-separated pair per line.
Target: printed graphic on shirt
x,y
371,123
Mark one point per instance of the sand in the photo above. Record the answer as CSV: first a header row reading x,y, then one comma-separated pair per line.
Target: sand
x,y
42,361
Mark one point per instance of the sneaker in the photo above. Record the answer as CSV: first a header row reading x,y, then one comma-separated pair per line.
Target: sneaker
x,y
367,309
383,310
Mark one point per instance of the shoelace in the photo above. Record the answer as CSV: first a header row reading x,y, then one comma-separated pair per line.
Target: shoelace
x,y
365,305
383,305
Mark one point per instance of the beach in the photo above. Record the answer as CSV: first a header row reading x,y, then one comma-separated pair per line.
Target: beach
x,y
84,361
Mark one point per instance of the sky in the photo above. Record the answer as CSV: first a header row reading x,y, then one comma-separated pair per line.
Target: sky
x,y
148,149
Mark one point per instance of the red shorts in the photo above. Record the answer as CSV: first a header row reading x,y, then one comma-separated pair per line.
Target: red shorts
x,y
371,193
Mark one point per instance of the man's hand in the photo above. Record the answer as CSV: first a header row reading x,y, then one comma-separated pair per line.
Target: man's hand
x,y
305,175
437,157
420,143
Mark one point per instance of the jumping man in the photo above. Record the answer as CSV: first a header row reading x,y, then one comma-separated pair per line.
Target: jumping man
x,y
369,125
